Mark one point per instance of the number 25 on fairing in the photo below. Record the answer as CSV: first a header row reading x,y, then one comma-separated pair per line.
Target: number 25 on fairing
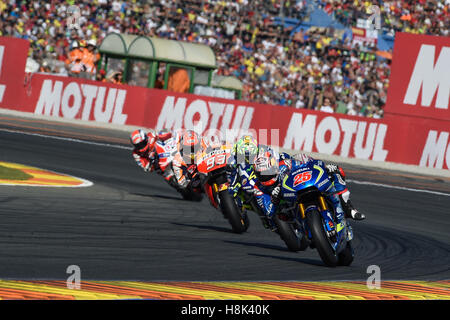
x,y
302,177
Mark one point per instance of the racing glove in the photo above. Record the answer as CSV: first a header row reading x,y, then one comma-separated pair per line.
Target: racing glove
x,y
192,170
276,195
332,168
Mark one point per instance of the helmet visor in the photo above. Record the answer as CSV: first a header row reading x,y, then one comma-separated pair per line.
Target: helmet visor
x,y
141,145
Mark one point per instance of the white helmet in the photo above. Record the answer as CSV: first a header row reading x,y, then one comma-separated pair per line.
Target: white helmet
x,y
92,42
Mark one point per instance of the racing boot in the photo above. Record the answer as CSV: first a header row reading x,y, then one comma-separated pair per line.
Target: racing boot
x,y
349,209
266,222
337,174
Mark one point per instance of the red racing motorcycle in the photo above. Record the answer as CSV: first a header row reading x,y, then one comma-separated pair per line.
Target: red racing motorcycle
x,y
212,167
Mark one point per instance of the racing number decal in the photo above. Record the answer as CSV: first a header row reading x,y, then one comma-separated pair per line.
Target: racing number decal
x,y
217,160
302,177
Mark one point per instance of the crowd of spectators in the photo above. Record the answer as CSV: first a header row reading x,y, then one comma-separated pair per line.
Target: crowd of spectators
x,y
412,16
314,69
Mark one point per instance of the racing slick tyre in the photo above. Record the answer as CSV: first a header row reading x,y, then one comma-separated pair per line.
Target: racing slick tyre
x,y
239,221
289,236
345,257
320,238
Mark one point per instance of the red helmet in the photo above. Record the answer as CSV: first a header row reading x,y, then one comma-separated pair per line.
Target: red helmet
x,y
164,134
142,141
190,144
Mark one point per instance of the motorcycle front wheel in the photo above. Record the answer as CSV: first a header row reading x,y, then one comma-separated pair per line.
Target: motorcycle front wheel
x,y
320,239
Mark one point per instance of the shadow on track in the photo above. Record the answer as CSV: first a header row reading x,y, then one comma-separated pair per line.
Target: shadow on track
x,y
158,196
221,229
313,262
259,245
9,199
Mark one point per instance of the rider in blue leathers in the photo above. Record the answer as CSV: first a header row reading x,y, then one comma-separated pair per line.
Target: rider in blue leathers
x,y
267,172
241,174
251,171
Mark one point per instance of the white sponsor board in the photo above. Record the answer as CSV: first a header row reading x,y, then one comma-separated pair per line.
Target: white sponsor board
x,y
429,76
81,101
434,153
368,142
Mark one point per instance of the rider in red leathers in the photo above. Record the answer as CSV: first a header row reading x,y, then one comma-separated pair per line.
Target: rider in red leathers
x,y
152,152
166,148
144,149
190,146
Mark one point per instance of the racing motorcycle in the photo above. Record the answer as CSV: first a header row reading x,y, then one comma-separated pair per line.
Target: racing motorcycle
x,y
303,191
213,168
166,149
289,230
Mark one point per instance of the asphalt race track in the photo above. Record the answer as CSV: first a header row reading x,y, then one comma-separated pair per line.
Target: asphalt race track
x,y
132,226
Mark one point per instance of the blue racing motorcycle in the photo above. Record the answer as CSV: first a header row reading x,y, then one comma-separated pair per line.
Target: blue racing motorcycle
x,y
305,188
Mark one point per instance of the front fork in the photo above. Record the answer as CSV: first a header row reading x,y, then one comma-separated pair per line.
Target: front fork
x,y
330,226
333,228
212,190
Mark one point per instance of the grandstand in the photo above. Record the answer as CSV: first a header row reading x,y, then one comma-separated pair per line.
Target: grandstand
x,y
300,54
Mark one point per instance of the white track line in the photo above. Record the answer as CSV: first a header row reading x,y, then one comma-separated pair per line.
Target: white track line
x,y
129,148
68,139
397,187
86,183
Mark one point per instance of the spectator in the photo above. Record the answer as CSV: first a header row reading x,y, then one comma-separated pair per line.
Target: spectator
x,y
178,80
326,106
90,57
273,66
116,77
101,76
77,67
75,53
316,98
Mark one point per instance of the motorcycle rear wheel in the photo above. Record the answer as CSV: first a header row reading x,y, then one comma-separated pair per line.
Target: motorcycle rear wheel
x,y
239,222
345,257
289,236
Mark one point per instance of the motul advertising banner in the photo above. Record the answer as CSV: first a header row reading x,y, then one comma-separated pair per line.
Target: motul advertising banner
x,y
408,140
420,77
73,98
13,56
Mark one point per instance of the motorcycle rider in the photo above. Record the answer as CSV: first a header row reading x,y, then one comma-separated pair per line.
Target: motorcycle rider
x,y
338,175
146,156
241,174
190,146
269,175
245,152
144,149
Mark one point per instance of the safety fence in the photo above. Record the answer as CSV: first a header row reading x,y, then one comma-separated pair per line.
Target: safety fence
x,y
415,129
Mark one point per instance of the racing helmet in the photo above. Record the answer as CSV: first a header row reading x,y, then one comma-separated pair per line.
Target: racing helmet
x,y
164,135
246,150
189,146
302,158
142,141
266,168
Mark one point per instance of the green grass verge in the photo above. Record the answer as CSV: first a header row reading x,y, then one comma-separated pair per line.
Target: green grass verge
x,y
13,174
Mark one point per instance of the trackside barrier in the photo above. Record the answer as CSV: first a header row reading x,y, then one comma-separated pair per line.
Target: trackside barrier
x,y
414,134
